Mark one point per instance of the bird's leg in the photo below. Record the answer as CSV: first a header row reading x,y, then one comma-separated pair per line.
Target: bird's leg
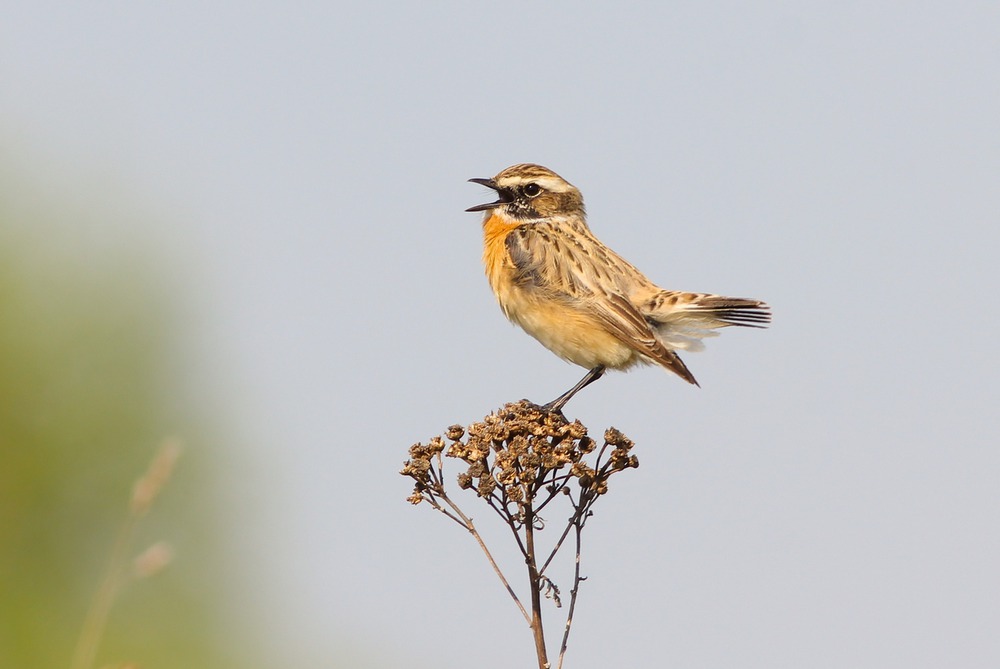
x,y
558,403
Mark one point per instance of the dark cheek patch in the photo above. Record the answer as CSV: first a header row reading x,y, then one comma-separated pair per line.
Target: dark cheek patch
x,y
523,210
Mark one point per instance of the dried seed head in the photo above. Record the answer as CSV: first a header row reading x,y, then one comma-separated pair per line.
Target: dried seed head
x,y
152,560
515,493
147,488
516,452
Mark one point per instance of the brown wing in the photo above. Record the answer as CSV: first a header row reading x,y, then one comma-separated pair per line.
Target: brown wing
x,y
625,322
571,266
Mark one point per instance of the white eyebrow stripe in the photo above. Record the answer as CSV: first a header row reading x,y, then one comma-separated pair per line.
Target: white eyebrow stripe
x,y
549,183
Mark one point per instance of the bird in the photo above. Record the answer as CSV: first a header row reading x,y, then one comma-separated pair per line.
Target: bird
x,y
577,297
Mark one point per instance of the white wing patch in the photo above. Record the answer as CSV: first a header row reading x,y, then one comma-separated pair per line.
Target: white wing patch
x,y
684,336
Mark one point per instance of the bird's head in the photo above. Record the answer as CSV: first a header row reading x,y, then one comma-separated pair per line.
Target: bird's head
x,y
531,193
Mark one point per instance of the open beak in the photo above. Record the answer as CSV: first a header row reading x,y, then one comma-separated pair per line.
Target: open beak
x,y
490,205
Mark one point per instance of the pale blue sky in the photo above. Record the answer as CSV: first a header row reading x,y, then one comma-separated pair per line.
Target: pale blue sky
x,y
828,498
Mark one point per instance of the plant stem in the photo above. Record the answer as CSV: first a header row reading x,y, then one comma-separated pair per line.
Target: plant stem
x,y
100,608
536,586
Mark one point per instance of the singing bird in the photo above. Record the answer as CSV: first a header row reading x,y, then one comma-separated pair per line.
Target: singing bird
x,y
581,300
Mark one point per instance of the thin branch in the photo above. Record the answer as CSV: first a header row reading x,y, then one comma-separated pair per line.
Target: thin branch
x,y
569,526
600,454
434,503
556,489
513,524
489,556
572,597
97,616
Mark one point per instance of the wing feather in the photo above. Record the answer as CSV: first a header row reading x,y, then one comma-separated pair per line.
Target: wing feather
x,y
625,322
571,266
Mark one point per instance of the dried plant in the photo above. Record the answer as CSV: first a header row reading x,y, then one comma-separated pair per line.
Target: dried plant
x,y
120,570
520,460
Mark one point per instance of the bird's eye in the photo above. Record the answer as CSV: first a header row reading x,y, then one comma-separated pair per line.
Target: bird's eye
x,y
531,190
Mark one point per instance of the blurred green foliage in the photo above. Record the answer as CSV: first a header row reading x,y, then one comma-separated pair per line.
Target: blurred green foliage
x,y
88,391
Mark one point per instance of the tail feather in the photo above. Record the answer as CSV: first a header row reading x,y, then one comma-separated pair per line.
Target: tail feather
x,y
732,311
682,320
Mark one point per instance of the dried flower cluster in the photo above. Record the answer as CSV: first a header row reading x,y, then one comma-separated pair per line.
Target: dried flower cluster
x,y
512,453
520,459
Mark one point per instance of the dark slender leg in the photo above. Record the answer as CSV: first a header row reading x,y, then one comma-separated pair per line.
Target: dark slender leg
x,y
558,403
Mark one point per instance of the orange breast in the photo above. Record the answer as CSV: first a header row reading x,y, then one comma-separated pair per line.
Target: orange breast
x,y
495,257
